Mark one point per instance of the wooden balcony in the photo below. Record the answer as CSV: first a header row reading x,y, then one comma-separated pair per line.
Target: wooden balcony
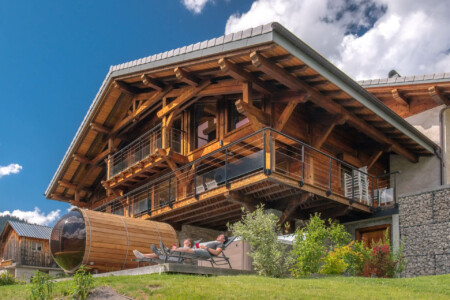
x,y
264,167
144,157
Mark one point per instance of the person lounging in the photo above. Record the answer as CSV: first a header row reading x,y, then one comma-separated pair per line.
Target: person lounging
x,y
208,250
187,244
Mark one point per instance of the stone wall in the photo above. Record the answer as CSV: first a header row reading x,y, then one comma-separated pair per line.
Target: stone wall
x,y
425,227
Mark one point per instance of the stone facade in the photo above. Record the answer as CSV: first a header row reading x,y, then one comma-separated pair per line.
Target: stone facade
x,y
425,227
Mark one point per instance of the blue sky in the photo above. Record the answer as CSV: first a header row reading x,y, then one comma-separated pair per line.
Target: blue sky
x,y
55,54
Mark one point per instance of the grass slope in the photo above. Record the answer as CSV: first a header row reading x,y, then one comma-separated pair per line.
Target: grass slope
x,y
167,286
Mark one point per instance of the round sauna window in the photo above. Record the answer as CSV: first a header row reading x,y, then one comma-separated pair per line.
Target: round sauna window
x,y
68,240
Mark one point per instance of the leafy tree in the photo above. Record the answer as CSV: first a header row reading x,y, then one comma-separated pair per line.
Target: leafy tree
x,y
260,230
312,242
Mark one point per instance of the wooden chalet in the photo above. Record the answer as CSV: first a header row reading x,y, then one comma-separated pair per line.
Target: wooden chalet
x,y
191,135
24,249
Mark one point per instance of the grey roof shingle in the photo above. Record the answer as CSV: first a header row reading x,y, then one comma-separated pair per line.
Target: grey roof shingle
x,y
31,230
424,78
236,36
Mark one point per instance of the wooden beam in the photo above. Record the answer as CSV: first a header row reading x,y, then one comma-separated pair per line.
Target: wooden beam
x,y
240,74
60,197
327,103
185,77
247,202
125,87
437,96
288,110
140,111
152,82
257,117
319,137
348,158
100,128
180,100
373,159
82,159
67,184
293,204
247,92
399,98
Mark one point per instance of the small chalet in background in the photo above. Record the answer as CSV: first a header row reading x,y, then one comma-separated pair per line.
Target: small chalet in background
x,y
25,249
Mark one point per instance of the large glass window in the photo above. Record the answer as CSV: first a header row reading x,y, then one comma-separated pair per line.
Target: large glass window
x,y
205,123
68,240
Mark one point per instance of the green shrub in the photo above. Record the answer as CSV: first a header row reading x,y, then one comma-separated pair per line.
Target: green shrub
x,y
383,261
312,242
7,279
357,258
334,262
260,230
41,286
83,282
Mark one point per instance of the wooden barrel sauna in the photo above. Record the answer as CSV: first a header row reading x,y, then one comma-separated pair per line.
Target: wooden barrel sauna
x,y
104,242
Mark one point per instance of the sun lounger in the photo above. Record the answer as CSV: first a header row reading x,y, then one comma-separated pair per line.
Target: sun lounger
x,y
190,258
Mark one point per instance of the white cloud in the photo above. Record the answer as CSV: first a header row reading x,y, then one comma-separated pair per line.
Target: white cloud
x,y
365,38
195,6
35,217
10,169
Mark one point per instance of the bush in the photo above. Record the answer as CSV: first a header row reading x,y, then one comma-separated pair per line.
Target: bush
x,y
261,231
312,242
7,279
334,263
383,262
357,258
41,286
83,282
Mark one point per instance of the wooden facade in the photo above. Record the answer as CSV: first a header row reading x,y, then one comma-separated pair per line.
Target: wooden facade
x,y
25,250
192,141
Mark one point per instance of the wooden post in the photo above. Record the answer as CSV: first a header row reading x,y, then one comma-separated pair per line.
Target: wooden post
x,y
247,95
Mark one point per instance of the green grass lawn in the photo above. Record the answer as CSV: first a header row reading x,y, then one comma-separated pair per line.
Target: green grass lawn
x,y
167,286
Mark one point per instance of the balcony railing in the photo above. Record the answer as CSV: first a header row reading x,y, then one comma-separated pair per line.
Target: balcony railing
x,y
143,147
267,151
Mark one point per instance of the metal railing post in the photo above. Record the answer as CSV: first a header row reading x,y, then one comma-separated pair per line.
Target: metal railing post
x,y
264,151
378,192
195,181
272,153
373,192
353,187
149,203
329,178
395,189
302,182
227,185
170,192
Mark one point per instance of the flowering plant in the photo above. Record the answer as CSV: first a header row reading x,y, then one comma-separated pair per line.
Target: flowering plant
x,y
384,262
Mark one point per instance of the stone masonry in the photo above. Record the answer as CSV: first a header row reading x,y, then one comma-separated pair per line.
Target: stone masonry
x,y
425,228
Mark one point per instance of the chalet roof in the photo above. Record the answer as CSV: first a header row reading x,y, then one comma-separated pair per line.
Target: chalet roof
x,y
402,80
31,230
272,34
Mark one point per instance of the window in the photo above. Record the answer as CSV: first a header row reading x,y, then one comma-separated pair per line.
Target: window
x,y
205,123
177,136
36,246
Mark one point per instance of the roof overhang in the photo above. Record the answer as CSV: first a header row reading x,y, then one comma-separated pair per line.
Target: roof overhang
x,y
272,33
